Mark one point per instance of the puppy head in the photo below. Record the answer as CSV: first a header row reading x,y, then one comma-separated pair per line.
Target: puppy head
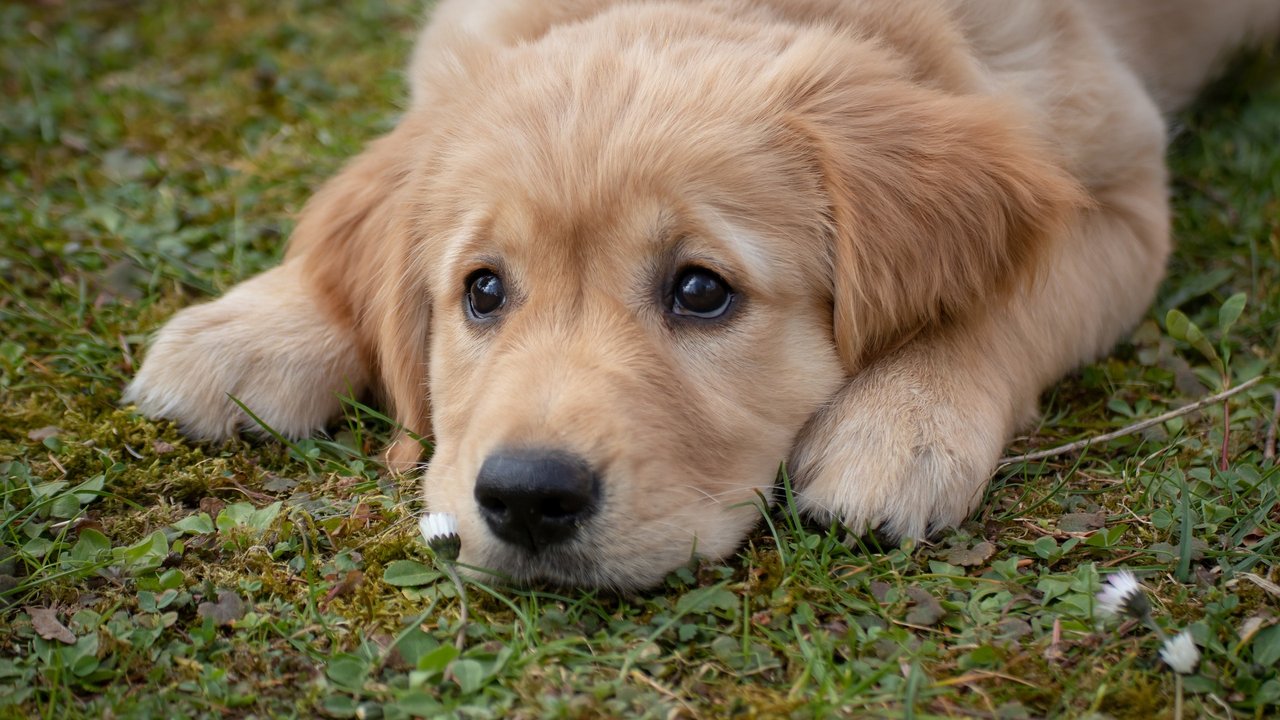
x,y
649,261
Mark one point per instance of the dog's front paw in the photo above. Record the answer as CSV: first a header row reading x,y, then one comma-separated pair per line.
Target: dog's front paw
x,y
268,344
907,447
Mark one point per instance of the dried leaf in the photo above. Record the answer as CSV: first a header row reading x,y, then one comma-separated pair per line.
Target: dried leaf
x,y
45,621
927,610
1185,379
1013,628
276,484
44,433
880,590
344,587
968,557
212,505
1082,522
1263,583
7,585
227,610
1252,625
1168,553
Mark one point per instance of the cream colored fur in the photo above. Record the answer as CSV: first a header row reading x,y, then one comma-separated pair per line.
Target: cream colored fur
x,y
931,210
269,343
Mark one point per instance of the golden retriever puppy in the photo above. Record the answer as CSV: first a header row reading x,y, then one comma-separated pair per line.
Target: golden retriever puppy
x,y
624,259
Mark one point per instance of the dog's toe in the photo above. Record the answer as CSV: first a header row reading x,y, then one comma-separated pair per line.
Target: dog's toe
x,y
903,449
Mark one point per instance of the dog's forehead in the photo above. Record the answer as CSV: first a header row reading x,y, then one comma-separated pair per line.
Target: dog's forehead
x,y
570,130
646,233
595,172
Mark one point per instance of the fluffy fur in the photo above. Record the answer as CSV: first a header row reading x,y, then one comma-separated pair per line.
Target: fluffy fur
x,y
929,209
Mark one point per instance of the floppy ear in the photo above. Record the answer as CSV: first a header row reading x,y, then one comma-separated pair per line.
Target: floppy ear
x,y
938,201
403,324
353,239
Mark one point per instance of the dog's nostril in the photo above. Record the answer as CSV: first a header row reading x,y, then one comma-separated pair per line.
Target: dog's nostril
x,y
535,498
560,508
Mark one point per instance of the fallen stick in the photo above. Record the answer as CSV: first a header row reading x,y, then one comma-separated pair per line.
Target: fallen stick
x,y
1131,429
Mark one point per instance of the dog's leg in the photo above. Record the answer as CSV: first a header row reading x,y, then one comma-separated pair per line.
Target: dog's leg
x,y
1176,46
270,342
910,443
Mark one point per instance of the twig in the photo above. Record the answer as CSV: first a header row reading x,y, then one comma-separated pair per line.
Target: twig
x,y
641,677
982,675
57,464
125,352
1262,582
1269,449
1054,652
1134,428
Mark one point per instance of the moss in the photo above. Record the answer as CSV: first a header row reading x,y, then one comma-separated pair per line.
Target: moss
x,y
391,547
152,156
1139,696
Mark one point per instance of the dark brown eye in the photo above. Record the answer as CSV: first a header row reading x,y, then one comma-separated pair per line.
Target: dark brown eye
x,y
700,293
485,294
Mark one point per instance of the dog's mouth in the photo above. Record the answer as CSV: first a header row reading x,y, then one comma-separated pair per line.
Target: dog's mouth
x,y
609,552
573,565
547,518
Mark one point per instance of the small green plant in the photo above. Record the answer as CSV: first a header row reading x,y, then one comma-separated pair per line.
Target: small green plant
x,y
1181,328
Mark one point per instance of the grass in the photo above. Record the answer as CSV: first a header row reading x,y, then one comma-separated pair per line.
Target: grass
x,y
151,154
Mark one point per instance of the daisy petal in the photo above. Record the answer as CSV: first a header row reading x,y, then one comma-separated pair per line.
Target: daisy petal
x,y
440,533
1122,594
1180,653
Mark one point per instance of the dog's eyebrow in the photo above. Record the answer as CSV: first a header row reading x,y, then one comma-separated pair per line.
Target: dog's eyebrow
x,y
746,250
464,241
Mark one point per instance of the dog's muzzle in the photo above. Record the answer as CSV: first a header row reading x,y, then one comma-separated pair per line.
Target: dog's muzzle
x,y
536,498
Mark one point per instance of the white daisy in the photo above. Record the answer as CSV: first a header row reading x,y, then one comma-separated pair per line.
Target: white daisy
x,y
1122,594
440,533
1180,653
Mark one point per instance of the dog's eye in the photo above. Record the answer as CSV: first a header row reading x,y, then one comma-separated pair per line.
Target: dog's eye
x,y
701,293
485,293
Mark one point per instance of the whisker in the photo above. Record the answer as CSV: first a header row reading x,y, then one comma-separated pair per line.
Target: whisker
x,y
713,497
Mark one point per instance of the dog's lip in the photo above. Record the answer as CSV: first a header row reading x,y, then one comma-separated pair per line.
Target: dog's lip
x,y
572,566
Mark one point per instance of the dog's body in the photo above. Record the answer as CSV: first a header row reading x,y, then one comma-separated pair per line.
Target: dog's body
x,y
637,254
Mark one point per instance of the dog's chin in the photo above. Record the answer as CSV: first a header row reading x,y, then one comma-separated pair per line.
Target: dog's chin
x,y
574,565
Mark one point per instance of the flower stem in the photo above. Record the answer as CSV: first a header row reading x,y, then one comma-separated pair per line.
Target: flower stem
x,y
463,617
1177,698
1151,623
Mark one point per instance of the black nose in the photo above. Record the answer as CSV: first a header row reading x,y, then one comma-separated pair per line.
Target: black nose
x,y
535,498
